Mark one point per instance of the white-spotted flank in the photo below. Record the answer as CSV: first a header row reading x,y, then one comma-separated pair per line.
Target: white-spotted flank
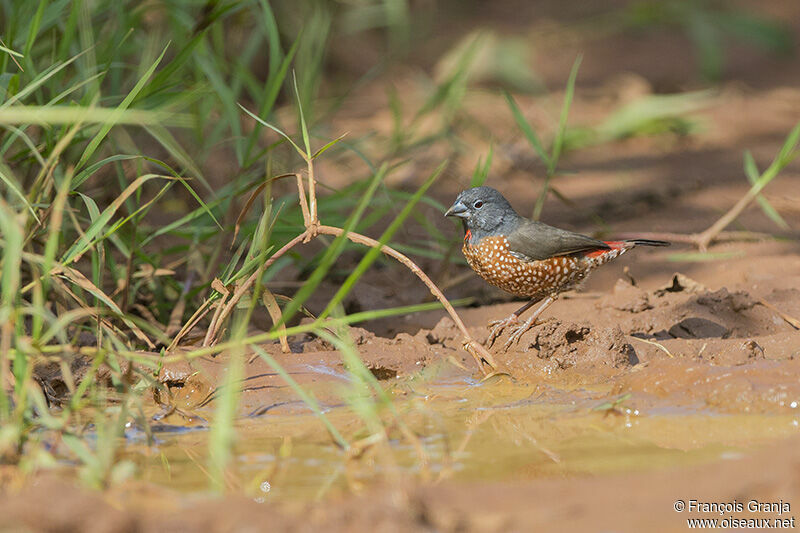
x,y
491,259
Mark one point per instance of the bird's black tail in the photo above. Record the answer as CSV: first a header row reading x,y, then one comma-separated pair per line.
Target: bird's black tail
x,y
648,242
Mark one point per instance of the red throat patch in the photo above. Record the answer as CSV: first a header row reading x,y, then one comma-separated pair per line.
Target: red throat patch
x,y
467,235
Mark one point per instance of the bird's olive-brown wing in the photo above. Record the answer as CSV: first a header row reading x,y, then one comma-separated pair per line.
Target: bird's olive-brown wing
x,y
535,241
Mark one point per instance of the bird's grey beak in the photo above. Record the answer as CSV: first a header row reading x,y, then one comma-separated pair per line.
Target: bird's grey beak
x,y
458,209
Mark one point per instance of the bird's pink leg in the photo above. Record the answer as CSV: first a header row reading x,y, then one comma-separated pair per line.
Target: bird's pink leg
x,y
499,325
528,324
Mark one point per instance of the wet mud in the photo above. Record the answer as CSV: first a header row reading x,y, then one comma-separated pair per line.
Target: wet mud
x,y
617,404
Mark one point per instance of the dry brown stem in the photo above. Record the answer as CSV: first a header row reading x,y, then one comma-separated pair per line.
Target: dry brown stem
x,y
198,315
701,240
274,311
715,232
241,290
218,286
308,206
788,318
705,238
478,352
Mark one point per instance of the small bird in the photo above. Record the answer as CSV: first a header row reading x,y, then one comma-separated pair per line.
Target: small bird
x,y
525,257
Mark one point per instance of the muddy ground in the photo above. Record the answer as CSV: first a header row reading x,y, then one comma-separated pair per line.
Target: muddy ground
x,y
666,378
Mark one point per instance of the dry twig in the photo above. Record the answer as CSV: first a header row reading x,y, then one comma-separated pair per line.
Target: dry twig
x,y
715,232
313,228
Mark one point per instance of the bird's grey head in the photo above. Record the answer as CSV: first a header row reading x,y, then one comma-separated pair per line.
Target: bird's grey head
x,y
484,210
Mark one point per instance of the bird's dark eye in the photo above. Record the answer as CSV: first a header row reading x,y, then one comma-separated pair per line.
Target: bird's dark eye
x,y
478,204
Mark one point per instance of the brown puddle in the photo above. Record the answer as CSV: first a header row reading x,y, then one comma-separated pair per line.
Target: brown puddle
x,y
493,431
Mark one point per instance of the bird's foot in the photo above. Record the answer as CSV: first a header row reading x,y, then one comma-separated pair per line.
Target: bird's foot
x,y
498,326
517,332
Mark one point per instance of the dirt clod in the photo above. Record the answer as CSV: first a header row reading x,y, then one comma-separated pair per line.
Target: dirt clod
x,y
680,283
698,328
627,297
444,330
561,345
722,300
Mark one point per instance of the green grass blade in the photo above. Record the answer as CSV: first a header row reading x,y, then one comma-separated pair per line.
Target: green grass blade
x,y
221,437
9,51
165,76
303,127
86,173
344,343
328,145
28,142
642,113
88,238
80,449
788,152
784,157
306,397
57,115
558,141
526,128
699,257
55,230
119,111
227,97
481,173
358,394
12,260
140,209
33,29
375,252
81,84
204,209
333,251
273,37
449,92
751,171
275,129
354,318
40,80
271,90
7,177
168,141
707,40
771,35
